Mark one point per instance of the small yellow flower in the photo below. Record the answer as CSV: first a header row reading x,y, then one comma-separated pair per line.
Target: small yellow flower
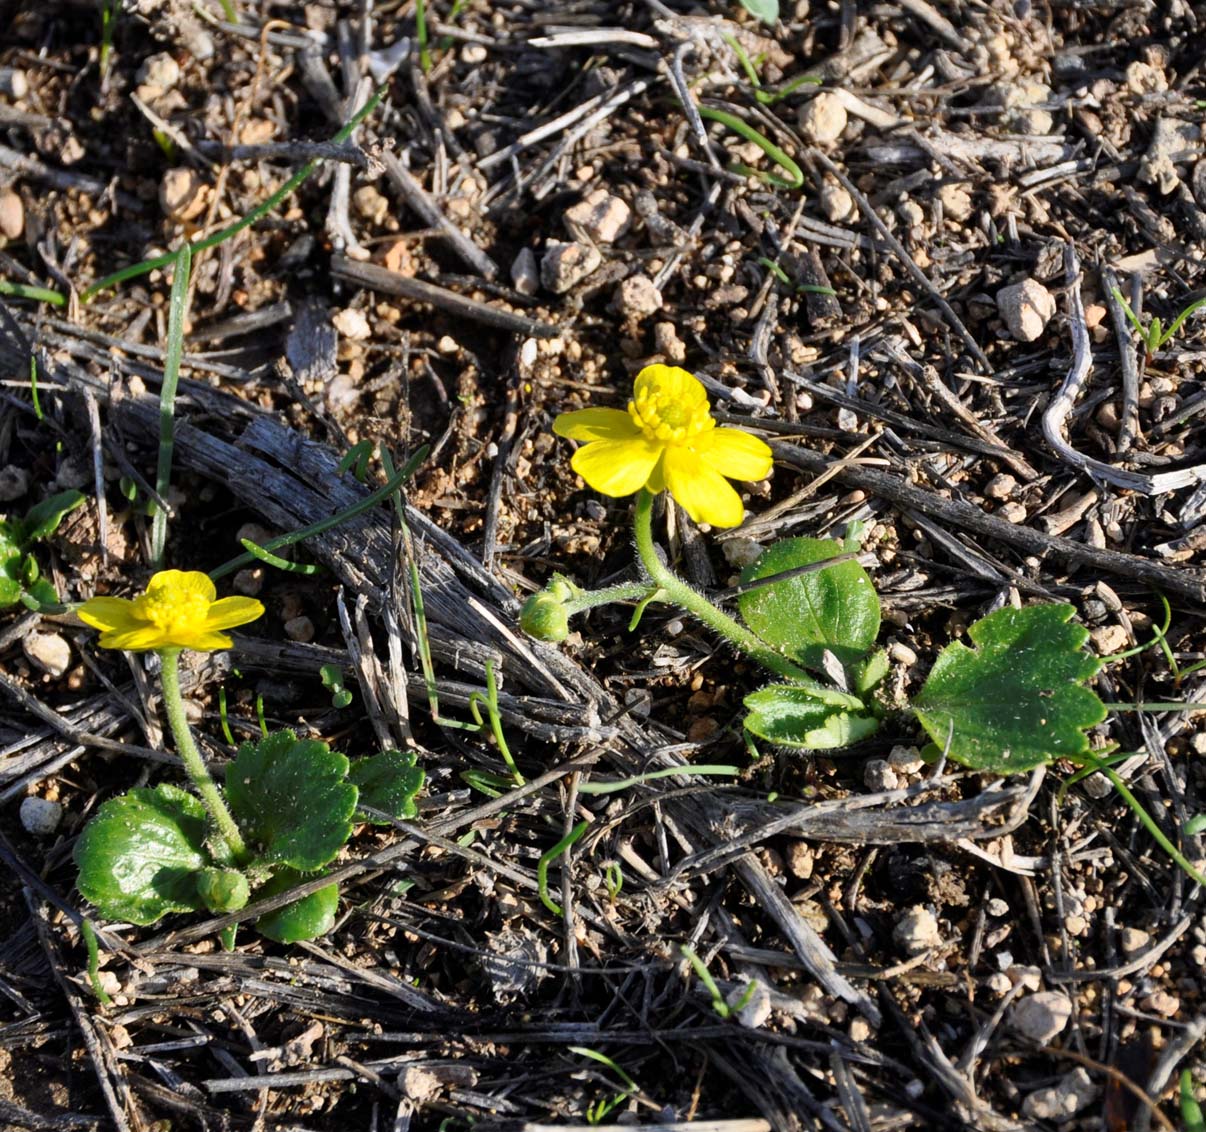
x,y
179,610
667,440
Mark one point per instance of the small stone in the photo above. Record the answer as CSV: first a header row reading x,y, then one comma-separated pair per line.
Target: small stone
x,y
369,203
910,212
300,629
158,74
1001,486
755,1011
917,931
40,817
1063,1100
525,277
702,729
47,651
352,324
1143,78
741,552
12,215
638,296
564,266
998,907
183,195
836,204
999,983
667,342
878,775
1012,512
800,859
905,760
248,582
14,483
1040,1017
956,202
73,473
600,217
900,653
1094,313
1029,978
447,345
1133,940
1076,925
473,54
1021,101
1109,639
1026,307
823,118
1162,1003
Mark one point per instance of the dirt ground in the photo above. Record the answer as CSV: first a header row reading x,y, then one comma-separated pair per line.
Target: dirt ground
x,y
535,210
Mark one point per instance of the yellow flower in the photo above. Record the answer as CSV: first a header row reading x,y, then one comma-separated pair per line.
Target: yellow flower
x,y
179,610
667,440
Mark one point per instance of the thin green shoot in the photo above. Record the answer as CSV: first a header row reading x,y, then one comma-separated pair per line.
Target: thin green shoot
x,y
1159,635
229,11
227,936
269,559
486,782
795,175
775,270
596,1112
421,34
33,387
27,291
722,1008
108,14
331,676
542,866
177,313
800,288
1195,826
490,699
668,772
1144,817
227,734
356,460
454,14
261,210
259,715
323,525
89,934
750,67
613,880
1191,1111
1155,335
165,143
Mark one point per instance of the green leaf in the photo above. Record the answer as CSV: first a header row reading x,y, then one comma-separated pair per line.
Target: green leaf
x,y
867,673
43,519
291,800
792,716
307,918
835,608
140,855
1018,699
42,592
223,890
765,10
387,782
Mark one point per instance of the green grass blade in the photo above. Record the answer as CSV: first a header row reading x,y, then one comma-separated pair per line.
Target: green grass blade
x,y
177,310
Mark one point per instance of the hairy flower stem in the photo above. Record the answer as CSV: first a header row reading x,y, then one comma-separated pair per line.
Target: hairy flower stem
x,y
677,591
186,747
589,599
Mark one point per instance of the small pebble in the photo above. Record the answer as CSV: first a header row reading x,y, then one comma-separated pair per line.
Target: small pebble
x,y
40,817
823,118
638,296
667,342
917,931
248,582
899,652
158,74
998,907
1001,486
473,53
1162,1003
956,202
1041,1017
836,204
905,760
370,204
878,775
1063,1100
352,324
600,217
755,1012
525,276
12,214
447,345
1143,78
800,859
1109,639
183,195
300,629
1012,512
999,983
47,651
1026,307
564,266
14,483
910,212
1133,940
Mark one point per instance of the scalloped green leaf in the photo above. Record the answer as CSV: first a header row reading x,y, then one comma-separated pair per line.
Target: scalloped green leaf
x,y
387,782
791,716
139,857
43,519
1017,700
834,609
307,918
765,10
291,800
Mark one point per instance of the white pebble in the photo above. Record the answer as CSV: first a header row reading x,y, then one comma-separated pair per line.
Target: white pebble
x,y
1040,1017
564,266
905,760
183,195
1026,307
878,775
525,277
823,119
600,216
12,214
352,324
40,817
917,931
638,296
47,651
1063,1100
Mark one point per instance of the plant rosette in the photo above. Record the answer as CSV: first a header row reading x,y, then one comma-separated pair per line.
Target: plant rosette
x,y
20,574
288,807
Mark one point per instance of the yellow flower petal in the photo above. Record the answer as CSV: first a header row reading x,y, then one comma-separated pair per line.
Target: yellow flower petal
x,y
107,612
669,382
232,611
182,583
595,424
735,454
137,637
617,467
209,642
704,494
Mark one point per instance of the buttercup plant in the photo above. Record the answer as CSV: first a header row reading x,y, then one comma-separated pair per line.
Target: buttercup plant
x,y
1018,699
288,806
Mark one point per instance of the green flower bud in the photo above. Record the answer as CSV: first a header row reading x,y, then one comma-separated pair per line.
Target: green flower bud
x,y
223,890
544,617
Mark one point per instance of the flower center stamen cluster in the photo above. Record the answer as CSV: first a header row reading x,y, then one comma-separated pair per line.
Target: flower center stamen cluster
x,y
170,609
668,419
